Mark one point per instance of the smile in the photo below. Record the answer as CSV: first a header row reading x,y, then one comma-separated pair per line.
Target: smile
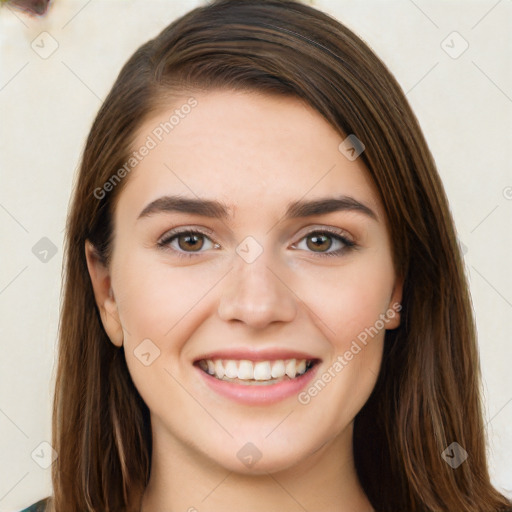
x,y
249,372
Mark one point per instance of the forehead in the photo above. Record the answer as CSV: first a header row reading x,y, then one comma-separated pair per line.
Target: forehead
x,y
250,150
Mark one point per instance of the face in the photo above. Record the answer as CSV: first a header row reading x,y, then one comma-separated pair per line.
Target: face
x,y
270,273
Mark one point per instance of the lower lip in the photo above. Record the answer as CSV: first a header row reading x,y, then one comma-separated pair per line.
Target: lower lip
x,y
259,394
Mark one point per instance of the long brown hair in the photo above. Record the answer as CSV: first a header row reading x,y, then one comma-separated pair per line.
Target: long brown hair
x,y
428,393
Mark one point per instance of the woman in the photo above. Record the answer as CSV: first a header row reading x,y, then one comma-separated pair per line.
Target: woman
x,y
265,306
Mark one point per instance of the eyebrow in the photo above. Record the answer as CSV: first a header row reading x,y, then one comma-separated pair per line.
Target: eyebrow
x,y
218,210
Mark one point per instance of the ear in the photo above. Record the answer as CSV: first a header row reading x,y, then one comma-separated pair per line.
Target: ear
x,y
104,295
395,305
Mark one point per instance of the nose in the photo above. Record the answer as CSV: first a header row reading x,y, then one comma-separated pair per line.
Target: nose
x,y
256,294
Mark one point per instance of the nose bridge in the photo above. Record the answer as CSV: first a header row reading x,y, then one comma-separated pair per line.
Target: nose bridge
x,y
255,293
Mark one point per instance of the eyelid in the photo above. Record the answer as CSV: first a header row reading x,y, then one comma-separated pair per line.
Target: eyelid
x,y
165,239
326,229
338,233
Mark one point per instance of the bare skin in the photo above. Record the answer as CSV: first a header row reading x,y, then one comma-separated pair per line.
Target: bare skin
x,y
256,154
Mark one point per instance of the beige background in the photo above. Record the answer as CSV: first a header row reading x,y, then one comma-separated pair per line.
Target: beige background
x,y
48,100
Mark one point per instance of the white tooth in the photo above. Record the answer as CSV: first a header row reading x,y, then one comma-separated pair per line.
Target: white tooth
x,y
301,367
219,369
278,369
245,370
231,369
290,368
262,370
249,370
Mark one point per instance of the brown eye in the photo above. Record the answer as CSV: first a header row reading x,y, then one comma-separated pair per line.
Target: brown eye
x,y
190,241
319,242
325,243
187,242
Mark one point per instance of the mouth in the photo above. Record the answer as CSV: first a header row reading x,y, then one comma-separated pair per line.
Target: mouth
x,y
256,373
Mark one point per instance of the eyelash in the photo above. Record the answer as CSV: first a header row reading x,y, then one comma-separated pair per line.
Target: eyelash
x,y
348,244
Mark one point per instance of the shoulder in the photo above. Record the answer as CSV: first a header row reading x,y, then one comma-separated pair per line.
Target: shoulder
x,y
40,506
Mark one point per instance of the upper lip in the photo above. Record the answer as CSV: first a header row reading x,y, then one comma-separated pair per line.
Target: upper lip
x,y
257,355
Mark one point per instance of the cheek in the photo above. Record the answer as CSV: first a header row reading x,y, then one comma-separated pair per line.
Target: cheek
x,y
347,300
153,297
355,334
358,313
351,305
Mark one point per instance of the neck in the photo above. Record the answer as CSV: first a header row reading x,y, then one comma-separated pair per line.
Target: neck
x,y
186,481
